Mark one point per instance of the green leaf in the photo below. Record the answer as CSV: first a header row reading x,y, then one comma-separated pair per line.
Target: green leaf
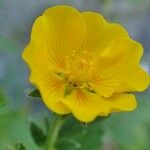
x,y
14,128
37,134
35,93
19,146
75,135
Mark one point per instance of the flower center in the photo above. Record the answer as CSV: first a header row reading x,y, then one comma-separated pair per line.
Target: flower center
x,y
72,85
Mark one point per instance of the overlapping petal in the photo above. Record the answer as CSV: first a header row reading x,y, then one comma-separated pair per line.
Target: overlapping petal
x,y
61,29
50,85
87,106
37,57
100,33
53,93
117,69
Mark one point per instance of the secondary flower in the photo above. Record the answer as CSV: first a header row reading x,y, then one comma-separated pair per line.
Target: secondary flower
x,y
84,65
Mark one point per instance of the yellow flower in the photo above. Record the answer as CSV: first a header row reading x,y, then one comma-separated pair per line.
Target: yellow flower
x,y
84,65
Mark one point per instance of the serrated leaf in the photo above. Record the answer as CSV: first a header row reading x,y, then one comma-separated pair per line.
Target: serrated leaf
x,y
20,146
77,136
35,93
37,134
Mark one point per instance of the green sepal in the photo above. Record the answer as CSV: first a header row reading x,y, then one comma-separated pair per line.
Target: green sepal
x,y
35,93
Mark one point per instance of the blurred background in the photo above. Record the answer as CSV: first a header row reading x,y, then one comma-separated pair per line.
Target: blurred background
x,y
122,131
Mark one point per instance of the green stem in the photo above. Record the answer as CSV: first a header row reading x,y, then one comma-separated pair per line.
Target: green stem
x,y
53,132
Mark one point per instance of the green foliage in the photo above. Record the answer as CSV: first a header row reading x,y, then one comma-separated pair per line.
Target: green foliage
x,y
14,128
19,147
37,134
75,135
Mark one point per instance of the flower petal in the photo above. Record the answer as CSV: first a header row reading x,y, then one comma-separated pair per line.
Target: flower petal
x,y
84,105
49,46
53,92
137,80
54,29
36,56
100,33
119,102
48,83
87,106
118,65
